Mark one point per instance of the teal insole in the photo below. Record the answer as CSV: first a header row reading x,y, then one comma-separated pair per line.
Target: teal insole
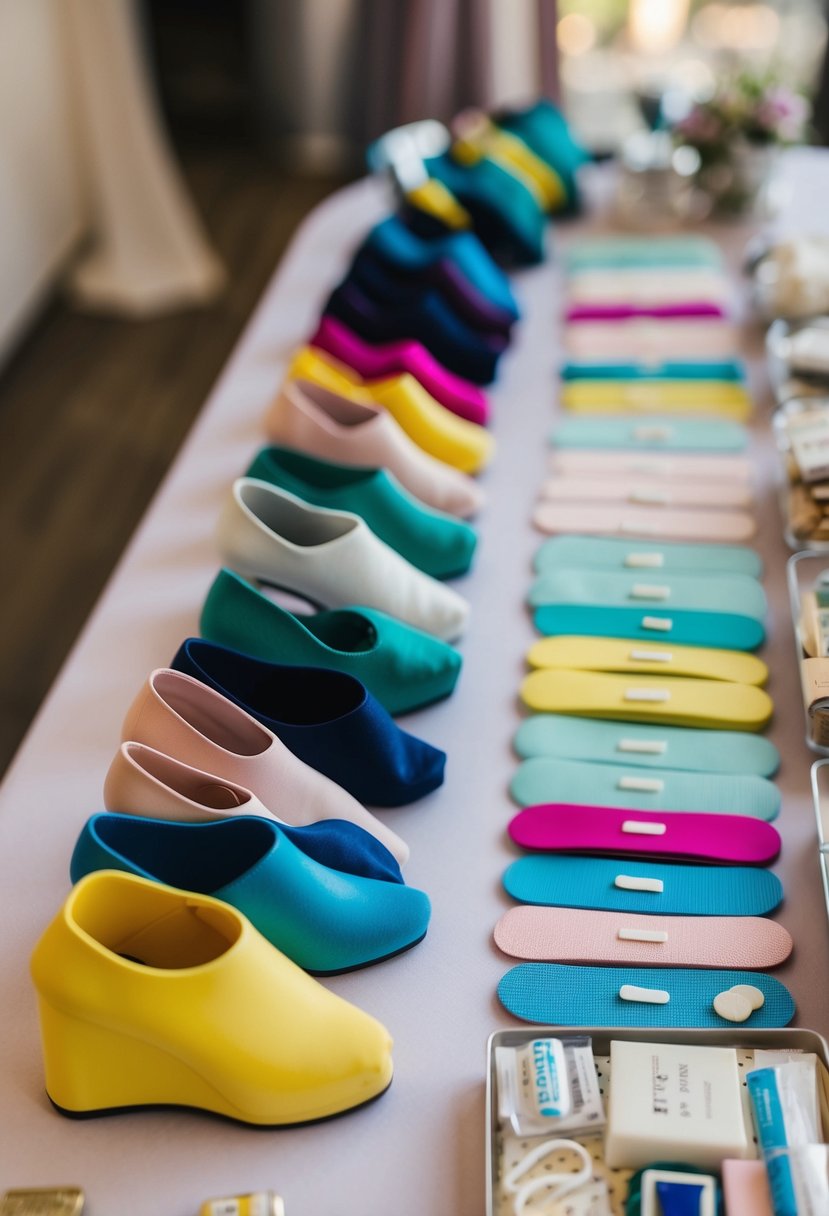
x,y
541,780
556,994
590,882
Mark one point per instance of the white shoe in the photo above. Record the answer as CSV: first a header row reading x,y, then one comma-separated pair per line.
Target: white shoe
x,y
330,557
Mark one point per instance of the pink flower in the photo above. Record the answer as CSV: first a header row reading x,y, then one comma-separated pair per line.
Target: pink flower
x,y
700,126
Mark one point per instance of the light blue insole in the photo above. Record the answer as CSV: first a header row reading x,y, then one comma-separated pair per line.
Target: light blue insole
x,y
590,882
611,553
559,995
651,434
542,780
676,747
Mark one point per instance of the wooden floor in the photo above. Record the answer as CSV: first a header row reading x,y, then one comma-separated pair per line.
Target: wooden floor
x,y
92,411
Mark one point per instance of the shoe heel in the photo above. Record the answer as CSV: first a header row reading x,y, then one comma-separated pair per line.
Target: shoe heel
x,y
91,1070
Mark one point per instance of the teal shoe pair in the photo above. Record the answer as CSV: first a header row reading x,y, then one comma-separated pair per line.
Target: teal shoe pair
x,y
404,667
326,920
433,542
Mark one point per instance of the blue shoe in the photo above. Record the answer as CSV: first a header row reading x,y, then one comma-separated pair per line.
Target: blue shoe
x,y
429,320
457,262
506,214
326,718
325,920
436,543
403,667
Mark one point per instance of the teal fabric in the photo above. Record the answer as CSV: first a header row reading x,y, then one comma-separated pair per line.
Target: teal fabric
x,y
724,631
555,994
589,882
434,542
738,594
541,780
569,738
647,433
506,213
404,667
601,553
721,369
629,252
546,132
326,920
726,612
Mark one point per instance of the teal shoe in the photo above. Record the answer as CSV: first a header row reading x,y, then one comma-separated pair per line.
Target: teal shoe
x,y
545,130
435,543
327,921
404,668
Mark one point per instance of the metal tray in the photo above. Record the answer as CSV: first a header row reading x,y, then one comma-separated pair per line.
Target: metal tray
x,y
774,1040
801,572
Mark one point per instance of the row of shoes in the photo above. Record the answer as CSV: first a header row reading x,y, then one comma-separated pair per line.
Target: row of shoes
x,y
236,857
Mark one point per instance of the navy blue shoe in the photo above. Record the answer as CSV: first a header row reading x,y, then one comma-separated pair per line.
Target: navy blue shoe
x,y
447,258
327,718
430,320
389,286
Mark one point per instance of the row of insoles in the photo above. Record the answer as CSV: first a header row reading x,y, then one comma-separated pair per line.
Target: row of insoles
x,y
637,765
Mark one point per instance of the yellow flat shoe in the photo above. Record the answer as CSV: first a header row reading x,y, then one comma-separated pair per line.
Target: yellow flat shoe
x,y
151,996
436,430
464,445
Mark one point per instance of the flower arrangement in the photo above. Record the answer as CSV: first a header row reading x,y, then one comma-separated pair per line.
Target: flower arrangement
x,y
736,132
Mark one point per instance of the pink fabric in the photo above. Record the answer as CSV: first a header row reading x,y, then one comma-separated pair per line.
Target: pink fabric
x,y
563,828
576,935
625,312
649,339
665,523
672,491
391,358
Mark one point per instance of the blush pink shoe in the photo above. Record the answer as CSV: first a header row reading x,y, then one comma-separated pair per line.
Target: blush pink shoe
x,y
183,718
332,427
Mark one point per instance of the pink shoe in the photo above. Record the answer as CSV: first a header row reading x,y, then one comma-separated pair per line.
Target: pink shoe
x,y
391,358
185,719
334,428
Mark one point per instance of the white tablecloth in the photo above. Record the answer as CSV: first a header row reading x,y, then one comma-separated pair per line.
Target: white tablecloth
x,y
420,1148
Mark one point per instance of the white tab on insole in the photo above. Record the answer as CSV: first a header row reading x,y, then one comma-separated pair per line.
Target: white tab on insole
x,y
648,785
649,591
630,882
648,747
649,996
641,827
662,624
642,935
647,694
641,561
651,656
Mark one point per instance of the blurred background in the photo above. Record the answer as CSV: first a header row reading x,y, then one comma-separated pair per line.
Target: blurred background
x,y
155,158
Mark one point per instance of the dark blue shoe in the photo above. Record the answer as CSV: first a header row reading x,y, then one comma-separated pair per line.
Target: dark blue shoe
x,y
455,262
387,285
327,718
430,320
326,920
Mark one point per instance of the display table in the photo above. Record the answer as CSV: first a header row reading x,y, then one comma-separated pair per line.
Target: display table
x,y
420,1148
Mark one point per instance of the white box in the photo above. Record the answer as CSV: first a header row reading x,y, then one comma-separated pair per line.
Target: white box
x,y
674,1103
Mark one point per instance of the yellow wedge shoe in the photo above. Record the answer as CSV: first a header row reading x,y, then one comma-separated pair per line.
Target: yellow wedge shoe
x,y
151,996
435,429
